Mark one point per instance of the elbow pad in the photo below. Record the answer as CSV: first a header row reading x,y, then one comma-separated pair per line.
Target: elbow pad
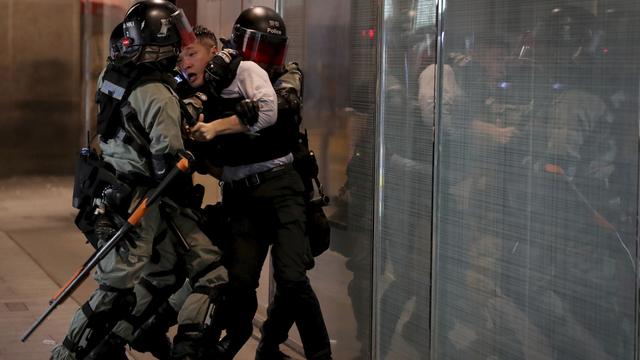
x,y
221,70
161,164
248,112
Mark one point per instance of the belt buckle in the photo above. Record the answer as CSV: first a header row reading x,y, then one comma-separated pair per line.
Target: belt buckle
x,y
251,180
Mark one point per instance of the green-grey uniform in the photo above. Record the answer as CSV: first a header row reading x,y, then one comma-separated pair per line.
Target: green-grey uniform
x,y
573,250
158,110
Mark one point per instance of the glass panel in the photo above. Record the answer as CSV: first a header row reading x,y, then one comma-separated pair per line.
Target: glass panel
x,y
536,221
402,306
335,43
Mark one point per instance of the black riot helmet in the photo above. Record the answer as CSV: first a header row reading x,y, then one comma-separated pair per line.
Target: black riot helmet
x,y
569,35
259,34
155,30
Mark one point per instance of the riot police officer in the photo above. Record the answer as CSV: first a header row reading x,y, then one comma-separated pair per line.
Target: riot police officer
x,y
264,195
200,90
574,133
139,127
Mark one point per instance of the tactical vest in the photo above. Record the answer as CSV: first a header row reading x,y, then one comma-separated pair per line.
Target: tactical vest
x,y
269,143
116,117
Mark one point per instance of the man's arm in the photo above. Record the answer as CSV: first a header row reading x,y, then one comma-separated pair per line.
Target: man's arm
x,y
159,112
207,131
252,83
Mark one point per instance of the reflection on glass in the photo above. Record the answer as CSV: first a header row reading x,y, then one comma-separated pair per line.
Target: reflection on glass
x,y
537,182
407,144
335,43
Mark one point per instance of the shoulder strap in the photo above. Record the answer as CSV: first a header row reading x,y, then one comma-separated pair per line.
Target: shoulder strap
x,y
114,88
118,82
132,132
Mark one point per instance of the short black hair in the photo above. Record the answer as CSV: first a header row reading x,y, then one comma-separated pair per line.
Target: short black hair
x,y
205,36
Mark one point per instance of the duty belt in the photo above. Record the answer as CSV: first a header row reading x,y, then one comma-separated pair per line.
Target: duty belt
x,y
257,178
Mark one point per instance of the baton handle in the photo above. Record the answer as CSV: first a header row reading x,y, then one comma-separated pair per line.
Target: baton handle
x,y
181,167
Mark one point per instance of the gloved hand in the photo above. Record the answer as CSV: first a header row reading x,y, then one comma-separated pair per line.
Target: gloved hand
x,y
106,228
221,70
248,111
193,108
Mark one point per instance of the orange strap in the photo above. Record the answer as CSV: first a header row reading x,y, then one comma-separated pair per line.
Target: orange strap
x,y
138,213
55,297
553,169
183,165
600,220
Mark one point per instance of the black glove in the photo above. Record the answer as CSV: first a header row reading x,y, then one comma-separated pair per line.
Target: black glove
x,y
221,70
248,111
106,227
162,164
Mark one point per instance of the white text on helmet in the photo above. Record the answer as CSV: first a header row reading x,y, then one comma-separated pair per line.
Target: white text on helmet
x,y
165,26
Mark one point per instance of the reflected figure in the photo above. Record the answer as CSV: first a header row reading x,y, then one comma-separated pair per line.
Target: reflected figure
x,y
573,245
406,196
352,231
481,125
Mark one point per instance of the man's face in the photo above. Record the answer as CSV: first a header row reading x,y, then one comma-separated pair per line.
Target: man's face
x,y
193,60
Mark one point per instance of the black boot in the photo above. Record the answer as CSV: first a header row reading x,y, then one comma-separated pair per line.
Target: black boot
x,y
238,331
112,347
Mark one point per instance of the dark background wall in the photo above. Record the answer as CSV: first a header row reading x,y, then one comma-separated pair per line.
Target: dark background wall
x,y
39,86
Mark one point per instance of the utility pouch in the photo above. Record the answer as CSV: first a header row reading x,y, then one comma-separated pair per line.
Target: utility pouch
x,y
305,163
85,221
214,222
91,178
318,229
317,226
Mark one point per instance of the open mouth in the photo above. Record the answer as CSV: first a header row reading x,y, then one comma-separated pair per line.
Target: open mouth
x,y
192,77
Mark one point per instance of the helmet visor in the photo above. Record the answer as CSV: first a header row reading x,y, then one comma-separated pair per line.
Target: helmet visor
x,y
187,37
115,42
263,48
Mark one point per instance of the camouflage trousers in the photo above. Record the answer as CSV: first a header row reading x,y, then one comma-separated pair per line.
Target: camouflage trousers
x,y
133,269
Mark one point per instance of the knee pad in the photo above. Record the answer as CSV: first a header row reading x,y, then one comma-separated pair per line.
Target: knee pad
x,y
100,323
216,318
199,340
159,296
196,339
152,324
